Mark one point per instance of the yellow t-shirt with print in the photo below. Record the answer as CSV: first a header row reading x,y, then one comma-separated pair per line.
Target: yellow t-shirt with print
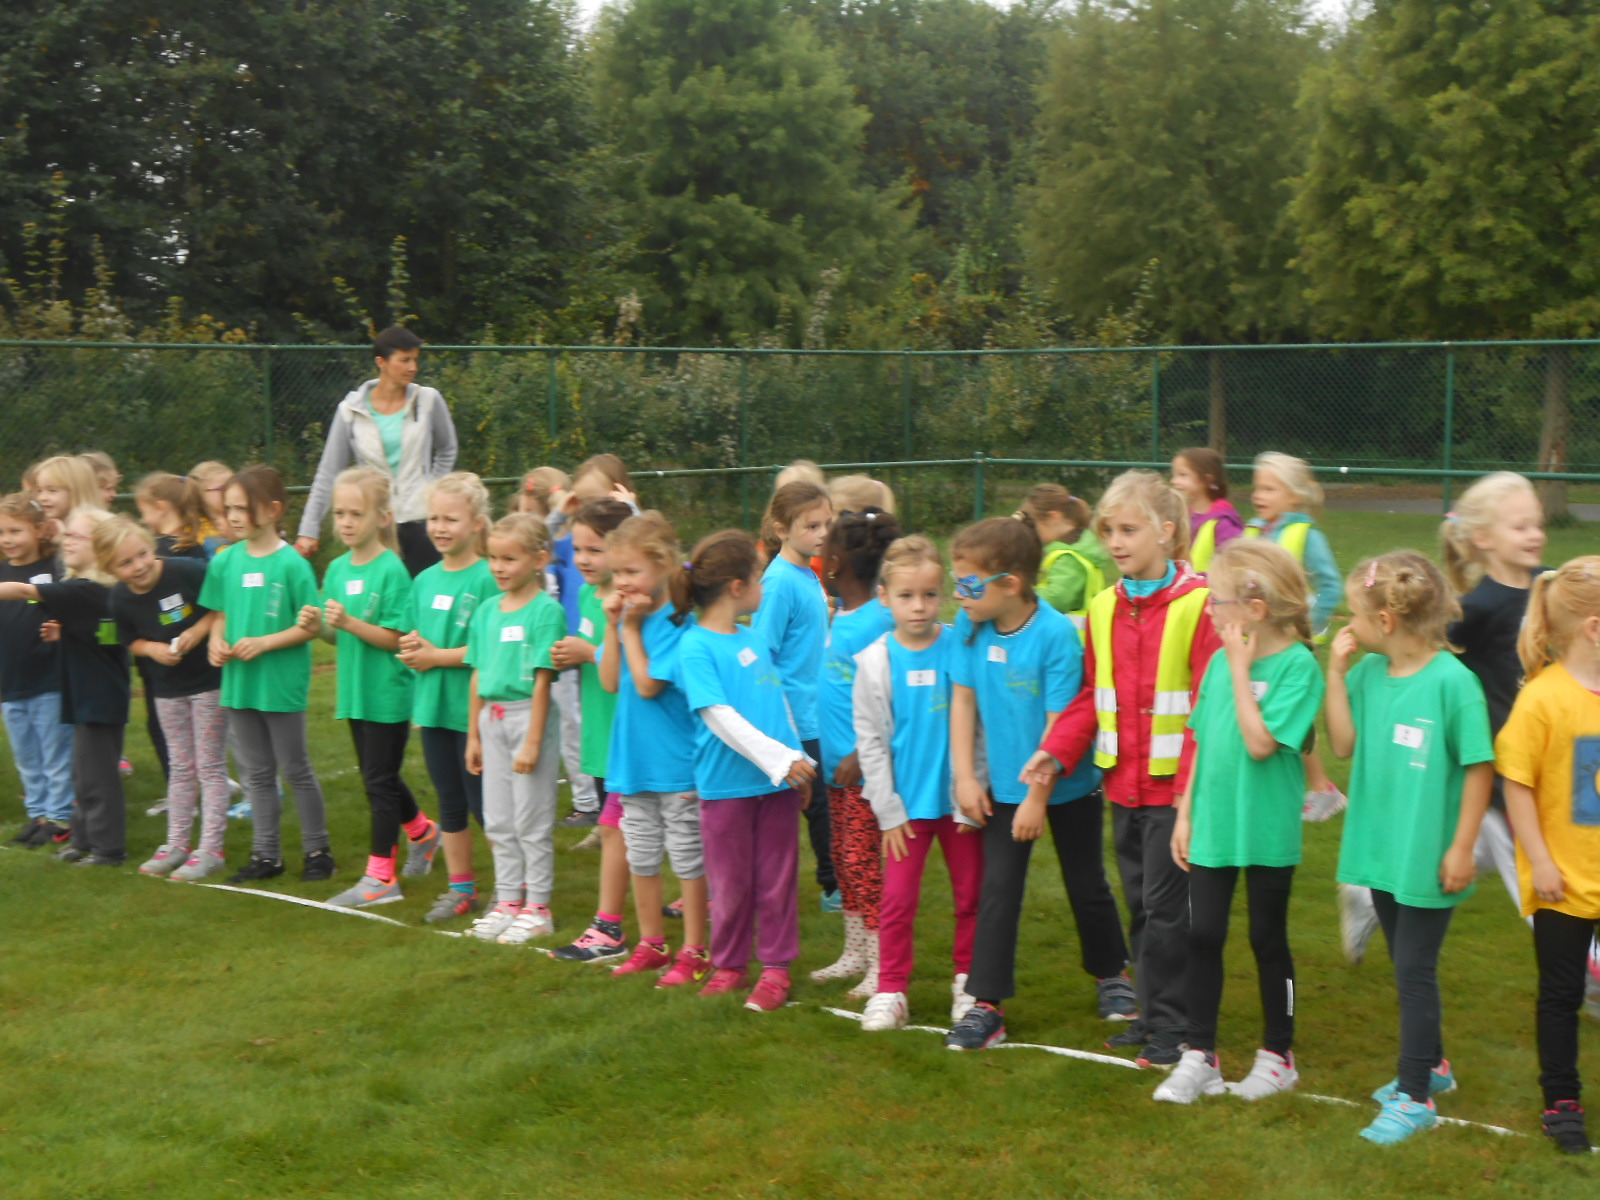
x,y
1551,743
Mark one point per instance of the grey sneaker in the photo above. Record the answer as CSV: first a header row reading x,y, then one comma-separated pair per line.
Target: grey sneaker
x,y
419,854
451,905
368,893
201,863
1118,1000
579,820
156,809
165,860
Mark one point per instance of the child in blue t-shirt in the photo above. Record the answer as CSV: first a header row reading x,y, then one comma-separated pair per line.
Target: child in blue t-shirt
x,y
902,718
747,766
1018,666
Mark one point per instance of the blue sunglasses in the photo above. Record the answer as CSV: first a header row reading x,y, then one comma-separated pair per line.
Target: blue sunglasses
x,y
970,587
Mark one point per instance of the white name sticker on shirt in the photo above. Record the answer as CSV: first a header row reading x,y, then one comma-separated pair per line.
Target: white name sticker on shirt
x,y
925,678
253,579
168,603
1258,689
38,579
443,603
1409,736
586,628
511,633
746,657
997,654
354,587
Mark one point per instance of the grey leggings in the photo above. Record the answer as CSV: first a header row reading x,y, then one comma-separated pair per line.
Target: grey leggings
x,y
267,744
1415,936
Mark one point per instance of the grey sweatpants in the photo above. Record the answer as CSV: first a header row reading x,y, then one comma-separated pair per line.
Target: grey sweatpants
x,y
566,693
663,825
99,811
265,745
519,811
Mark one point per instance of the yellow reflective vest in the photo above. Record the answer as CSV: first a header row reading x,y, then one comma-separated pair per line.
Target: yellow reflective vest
x,y
1094,582
1174,680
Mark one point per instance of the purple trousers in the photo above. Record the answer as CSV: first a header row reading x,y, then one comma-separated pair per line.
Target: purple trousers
x,y
752,848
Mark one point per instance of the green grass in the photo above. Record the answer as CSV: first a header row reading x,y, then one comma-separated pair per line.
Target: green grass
x,y
168,1040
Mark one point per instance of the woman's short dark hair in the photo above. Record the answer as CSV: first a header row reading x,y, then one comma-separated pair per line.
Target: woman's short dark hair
x,y
394,339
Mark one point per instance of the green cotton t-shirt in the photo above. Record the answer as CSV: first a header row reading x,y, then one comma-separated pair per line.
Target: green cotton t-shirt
x,y
442,606
1246,812
599,705
373,684
506,648
1415,738
257,597
391,428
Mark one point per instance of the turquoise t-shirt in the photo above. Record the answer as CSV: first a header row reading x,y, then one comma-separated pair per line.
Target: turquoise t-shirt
x,y
1246,811
1019,677
443,604
920,744
373,684
851,633
732,669
653,741
508,648
1415,738
391,428
793,621
257,597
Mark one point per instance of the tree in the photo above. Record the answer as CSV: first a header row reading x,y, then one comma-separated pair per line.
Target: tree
x,y
740,160
1453,184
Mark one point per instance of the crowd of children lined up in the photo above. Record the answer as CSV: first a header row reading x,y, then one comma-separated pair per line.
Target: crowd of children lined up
x,y
1155,652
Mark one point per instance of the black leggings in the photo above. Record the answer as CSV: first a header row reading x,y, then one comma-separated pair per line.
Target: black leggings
x,y
460,791
818,824
1561,943
1210,899
381,752
1415,936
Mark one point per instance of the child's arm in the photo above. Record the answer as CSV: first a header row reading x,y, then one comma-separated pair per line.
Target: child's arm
x,y
338,616
1183,826
527,759
18,591
779,763
611,646
639,658
474,742
1523,812
971,796
310,619
1460,864
1336,704
1258,739
1325,579
218,650
1028,823
247,648
418,653
872,709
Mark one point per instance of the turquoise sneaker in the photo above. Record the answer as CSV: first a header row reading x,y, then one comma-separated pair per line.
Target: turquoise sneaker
x,y
832,902
1401,1117
1441,1081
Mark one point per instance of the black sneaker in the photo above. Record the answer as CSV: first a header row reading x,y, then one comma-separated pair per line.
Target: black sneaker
x,y
1132,1038
1163,1050
982,1027
579,820
71,854
319,865
28,835
53,832
257,869
101,860
1117,999
1564,1126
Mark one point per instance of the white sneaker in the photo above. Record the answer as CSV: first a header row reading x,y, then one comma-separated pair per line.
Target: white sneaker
x,y
960,1003
1358,920
1319,806
886,1010
530,924
201,863
235,788
165,859
1273,1073
1195,1076
493,923
156,809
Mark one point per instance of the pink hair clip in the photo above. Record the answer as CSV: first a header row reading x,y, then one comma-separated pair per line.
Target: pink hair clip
x,y
1372,572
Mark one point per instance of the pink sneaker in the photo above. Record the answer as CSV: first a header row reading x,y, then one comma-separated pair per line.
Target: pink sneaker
x,y
725,980
771,992
645,958
691,966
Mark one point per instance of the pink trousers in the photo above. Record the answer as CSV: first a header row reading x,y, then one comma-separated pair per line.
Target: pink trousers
x,y
752,849
902,889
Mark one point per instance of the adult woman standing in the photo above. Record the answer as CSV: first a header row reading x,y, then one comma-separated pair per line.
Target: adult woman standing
x,y
394,426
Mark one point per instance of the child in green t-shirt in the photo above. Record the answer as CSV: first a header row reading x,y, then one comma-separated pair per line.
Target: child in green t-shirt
x,y
366,602
1075,567
1415,720
1258,700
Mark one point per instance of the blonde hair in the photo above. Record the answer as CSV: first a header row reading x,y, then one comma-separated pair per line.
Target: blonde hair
x,y
1476,511
210,469
652,535
801,470
184,495
907,554
75,473
607,466
1295,474
98,517
1258,569
527,530
857,493
1561,600
110,534
468,487
1154,499
1050,498
1407,586
106,472
25,508
539,484
374,488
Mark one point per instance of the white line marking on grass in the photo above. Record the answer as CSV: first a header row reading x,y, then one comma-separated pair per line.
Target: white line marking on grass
x,y
301,900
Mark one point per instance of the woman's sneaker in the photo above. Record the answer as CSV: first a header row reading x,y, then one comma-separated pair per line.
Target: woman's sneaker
x,y
691,966
419,854
724,980
645,957
1197,1075
532,923
886,1010
200,864
1320,805
1400,1118
1162,1050
165,860
368,893
451,905
1272,1073
1441,1080
1564,1126
1118,1001
493,923
982,1027
594,945
257,869
771,991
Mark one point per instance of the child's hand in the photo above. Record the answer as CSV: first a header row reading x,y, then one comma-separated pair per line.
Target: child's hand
x,y
571,651
335,614
1235,644
188,640
623,494
635,609
1040,770
247,648
310,619
527,759
894,842
612,607
162,653
1457,870
218,652
848,772
1028,824
974,800
1181,832
474,756
50,631
1548,884
416,651
1342,651
801,773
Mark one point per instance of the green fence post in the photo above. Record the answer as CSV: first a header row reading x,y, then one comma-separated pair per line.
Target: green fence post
x,y
744,438
905,430
266,404
1155,407
552,394
979,500
1449,419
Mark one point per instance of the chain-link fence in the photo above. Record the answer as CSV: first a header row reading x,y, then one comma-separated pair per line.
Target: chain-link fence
x,y
1422,411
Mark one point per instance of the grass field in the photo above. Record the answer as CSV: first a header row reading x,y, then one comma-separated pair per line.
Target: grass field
x,y
161,1039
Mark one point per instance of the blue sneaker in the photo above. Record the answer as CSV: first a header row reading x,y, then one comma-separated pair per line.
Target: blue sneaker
x,y
1441,1081
241,811
832,902
982,1027
1400,1118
